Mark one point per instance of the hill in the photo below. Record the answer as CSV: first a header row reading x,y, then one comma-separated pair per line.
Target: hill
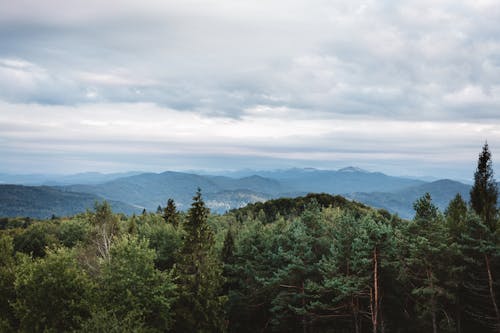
x,y
290,207
346,180
150,190
401,202
42,202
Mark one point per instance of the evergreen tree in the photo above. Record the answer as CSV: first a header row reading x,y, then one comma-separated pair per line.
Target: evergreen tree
x,y
456,215
170,213
481,249
430,263
199,273
484,193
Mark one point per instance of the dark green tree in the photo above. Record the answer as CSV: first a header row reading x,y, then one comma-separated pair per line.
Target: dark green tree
x,y
456,215
425,210
481,248
170,213
484,193
199,274
431,272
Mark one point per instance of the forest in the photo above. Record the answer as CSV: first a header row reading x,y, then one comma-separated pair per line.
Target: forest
x,y
318,263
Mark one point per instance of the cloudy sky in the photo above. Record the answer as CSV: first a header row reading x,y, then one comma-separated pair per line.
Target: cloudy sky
x,y
404,87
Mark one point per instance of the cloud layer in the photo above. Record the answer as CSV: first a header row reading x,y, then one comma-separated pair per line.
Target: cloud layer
x,y
384,84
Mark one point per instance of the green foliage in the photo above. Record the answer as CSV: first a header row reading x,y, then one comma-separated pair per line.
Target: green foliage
x,y
170,213
7,278
131,287
71,232
36,238
199,274
53,293
102,321
456,215
164,239
484,193
268,211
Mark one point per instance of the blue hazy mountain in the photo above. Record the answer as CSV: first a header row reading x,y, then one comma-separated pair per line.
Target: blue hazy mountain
x,y
55,179
401,202
44,201
224,192
150,189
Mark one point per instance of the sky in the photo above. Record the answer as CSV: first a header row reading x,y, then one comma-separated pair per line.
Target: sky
x,y
402,87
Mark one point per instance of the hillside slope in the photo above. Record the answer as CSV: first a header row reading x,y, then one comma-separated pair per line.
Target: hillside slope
x,y
43,202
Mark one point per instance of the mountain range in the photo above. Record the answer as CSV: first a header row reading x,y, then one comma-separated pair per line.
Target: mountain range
x,y
133,192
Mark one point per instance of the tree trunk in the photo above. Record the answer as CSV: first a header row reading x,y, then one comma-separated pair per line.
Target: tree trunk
x,y
492,291
355,315
304,322
433,302
375,298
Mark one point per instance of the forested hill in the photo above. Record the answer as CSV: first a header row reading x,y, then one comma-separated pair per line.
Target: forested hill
x,y
270,210
43,202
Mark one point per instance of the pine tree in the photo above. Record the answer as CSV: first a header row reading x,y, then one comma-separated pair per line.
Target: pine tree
x,y
170,213
484,193
200,306
456,215
430,264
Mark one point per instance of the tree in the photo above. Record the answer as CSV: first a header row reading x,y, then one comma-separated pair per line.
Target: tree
x,y
7,278
430,263
53,293
132,288
164,239
484,193
456,215
481,248
36,238
105,228
425,210
170,213
199,274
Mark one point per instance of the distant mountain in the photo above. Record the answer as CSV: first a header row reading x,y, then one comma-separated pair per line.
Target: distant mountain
x,y
222,193
150,189
43,202
346,180
401,202
54,179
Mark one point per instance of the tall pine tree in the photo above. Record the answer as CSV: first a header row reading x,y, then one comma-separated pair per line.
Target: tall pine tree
x,y
199,273
484,193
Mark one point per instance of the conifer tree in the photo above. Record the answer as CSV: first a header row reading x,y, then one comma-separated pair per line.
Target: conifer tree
x,y
430,264
199,273
456,215
484,193
170,213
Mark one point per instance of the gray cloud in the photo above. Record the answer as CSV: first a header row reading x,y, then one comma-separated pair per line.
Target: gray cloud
x,y
244,62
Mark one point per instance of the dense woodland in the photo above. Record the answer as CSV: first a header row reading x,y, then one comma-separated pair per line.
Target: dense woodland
x,y
318,263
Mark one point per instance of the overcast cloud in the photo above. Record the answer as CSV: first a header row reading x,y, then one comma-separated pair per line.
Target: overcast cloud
x,y
405,87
